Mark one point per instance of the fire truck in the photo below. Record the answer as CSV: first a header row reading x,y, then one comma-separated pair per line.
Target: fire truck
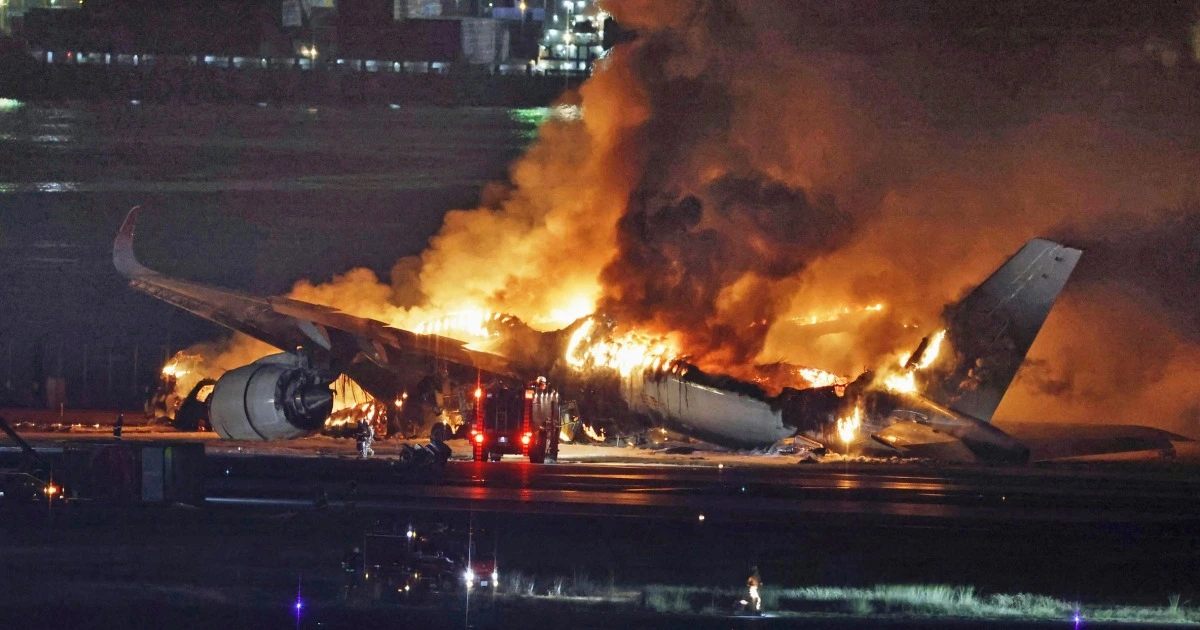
x,y
513,420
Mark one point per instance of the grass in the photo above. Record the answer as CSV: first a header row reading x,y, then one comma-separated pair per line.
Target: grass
x,y
928,601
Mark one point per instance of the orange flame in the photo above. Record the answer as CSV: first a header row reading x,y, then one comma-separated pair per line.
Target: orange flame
x,y
847,428
590,347
905,382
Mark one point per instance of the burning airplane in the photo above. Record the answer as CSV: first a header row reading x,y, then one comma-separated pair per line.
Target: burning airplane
x,y
937,402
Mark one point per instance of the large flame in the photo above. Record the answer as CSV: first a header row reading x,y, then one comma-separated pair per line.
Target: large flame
x,y
904,382
847,427
592,346
464,325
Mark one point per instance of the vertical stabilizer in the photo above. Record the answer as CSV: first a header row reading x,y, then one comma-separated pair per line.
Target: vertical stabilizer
x,y
991,329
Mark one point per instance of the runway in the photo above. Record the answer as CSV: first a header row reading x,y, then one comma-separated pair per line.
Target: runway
x,y
1091,532
748,492
640,483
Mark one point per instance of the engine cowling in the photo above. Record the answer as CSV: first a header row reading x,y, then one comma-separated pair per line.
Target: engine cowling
x,y
273,398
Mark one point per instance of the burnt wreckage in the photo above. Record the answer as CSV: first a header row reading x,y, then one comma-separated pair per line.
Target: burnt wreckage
x,y
939,403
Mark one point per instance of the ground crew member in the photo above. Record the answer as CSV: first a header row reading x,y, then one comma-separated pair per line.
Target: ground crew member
x,y
753,583
119,425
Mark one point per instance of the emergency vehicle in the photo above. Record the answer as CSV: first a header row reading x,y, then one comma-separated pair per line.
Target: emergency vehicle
x,y
514,421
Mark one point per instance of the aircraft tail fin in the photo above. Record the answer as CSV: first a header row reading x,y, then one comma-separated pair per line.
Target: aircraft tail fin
x,y
989,331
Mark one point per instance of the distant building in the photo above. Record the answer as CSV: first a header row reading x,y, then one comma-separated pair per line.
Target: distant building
x,y
12,12
574,35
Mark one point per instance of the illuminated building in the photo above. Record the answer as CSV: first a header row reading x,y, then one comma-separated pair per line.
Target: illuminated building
x,y
13,11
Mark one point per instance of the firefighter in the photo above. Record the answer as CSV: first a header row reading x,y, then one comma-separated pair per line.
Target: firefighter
x,y
119,426
366,437
753,583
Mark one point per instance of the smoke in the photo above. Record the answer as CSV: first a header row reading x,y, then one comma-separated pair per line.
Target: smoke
x,y
677,257
745,164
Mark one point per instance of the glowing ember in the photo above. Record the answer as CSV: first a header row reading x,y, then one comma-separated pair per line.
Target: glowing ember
x,y
847,428
595,347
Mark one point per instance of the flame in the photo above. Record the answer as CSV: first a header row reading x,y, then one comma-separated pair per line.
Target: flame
x,y
592,348
179,375
564,316
931,350
184,363
905,382
847,428
821,378
464,325
344,422
836,314
901,383
597,436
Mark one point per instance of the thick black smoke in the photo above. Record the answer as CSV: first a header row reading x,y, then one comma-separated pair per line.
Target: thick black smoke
x,y
1155,260
707,265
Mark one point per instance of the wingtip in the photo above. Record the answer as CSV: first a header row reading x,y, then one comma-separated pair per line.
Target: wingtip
x,y
123,258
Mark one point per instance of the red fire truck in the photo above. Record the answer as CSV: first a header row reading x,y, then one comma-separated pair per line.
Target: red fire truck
x,y
515,421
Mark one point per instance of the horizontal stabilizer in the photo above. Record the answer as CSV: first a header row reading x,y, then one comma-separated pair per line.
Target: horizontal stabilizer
x,y
913,439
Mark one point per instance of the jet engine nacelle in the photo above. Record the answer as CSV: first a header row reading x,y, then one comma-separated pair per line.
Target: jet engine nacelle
x,y
274,398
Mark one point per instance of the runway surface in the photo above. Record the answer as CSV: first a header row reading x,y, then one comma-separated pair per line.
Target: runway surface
x,y
747,492
1094,533
628,482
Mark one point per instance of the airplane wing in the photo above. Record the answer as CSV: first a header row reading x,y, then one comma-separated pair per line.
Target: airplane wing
x,y
914,439
291,324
